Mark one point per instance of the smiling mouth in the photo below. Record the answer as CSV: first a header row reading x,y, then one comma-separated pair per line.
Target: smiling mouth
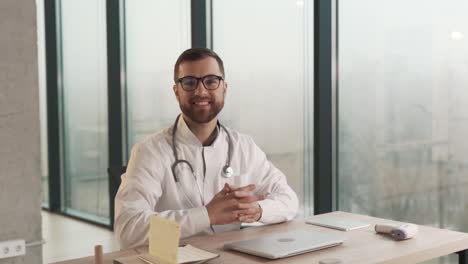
x,y
201,103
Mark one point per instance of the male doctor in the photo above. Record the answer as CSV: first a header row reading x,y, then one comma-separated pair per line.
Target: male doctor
x,y
197,172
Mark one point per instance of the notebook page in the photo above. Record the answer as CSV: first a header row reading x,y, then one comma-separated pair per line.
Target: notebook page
x,y
187,254
192,254
164,239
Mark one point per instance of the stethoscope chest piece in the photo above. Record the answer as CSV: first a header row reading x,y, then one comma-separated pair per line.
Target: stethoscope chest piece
x,y
228,171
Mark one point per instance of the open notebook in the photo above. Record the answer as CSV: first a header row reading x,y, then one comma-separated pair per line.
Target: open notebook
x,y
188,254
164,236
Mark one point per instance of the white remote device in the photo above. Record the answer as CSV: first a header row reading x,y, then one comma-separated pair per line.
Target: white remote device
x,y
398,232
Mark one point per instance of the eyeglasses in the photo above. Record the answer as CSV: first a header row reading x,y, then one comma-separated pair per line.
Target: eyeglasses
x,y
190,83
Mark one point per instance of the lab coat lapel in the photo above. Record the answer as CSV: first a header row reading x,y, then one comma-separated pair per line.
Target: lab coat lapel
x,y
189,148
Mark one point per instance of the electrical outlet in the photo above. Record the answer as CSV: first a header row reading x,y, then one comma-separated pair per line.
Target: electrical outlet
x,y
12,248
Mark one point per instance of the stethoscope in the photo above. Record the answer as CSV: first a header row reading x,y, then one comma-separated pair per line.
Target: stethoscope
x,y
227,170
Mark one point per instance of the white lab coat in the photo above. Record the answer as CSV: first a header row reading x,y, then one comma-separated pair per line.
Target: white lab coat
x,y
148,187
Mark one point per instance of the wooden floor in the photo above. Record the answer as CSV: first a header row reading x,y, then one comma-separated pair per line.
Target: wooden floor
x,y
68,238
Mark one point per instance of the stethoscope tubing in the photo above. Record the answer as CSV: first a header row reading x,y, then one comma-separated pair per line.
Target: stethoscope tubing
x,y
227,170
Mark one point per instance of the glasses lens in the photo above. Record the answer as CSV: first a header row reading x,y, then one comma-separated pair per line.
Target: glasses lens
x,y
211,82
189,83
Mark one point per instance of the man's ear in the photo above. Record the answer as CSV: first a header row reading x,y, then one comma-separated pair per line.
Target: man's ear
x,y
225,88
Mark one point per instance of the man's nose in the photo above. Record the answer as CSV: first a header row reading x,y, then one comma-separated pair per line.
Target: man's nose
x,y
200,89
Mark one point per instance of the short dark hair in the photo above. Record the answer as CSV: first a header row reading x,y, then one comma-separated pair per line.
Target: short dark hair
x,y
195,54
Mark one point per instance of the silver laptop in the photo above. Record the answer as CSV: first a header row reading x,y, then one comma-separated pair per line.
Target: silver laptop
x,y
287,244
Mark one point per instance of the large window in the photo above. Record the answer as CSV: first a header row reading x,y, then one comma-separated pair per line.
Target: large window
x,y
403,110
268,61
402,105
156,32
84,95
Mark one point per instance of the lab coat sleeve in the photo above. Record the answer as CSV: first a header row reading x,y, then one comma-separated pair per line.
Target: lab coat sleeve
x,y
137,197
280,203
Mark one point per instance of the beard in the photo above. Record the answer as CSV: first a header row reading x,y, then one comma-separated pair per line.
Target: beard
x,y
202,116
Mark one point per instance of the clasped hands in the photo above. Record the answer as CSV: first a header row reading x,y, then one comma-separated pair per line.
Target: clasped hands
x,y
235,204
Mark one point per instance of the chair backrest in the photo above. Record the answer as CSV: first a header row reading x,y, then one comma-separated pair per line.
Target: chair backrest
x,y
114,174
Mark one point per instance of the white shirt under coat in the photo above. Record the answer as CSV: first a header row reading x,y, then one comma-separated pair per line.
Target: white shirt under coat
x,y
148,187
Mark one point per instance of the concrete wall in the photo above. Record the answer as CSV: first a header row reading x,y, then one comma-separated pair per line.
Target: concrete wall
x,y
20,199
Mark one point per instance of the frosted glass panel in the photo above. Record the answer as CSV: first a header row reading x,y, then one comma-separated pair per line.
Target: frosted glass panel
x,y
268,57
156,32
84,84
403,110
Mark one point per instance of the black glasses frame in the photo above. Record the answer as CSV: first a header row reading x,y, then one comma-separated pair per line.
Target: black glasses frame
x,y
202,79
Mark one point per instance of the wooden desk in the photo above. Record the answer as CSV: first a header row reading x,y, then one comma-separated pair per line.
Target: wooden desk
x,y
361,246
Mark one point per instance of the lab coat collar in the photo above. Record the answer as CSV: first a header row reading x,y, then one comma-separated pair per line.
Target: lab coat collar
x,y
186,136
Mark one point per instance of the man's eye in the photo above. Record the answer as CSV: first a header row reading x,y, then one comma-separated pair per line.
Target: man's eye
x,y
188,82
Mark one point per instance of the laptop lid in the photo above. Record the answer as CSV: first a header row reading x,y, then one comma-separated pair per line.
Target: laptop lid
x,y
286,244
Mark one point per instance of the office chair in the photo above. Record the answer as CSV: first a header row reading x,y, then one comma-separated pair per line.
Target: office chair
x,y
114,174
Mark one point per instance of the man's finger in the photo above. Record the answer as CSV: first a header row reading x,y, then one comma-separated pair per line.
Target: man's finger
x,y
230,187
252,198
238,195
249,187
242,194
246,205
226,189
239,213
251,211
244,197
247,218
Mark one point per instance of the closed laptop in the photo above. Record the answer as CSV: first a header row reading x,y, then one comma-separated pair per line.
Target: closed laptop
x,y
286,244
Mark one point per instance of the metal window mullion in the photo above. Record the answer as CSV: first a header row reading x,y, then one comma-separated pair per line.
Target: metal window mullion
x,y
335,104
114,91
209,23
53,113
199,23
324,106
123,83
